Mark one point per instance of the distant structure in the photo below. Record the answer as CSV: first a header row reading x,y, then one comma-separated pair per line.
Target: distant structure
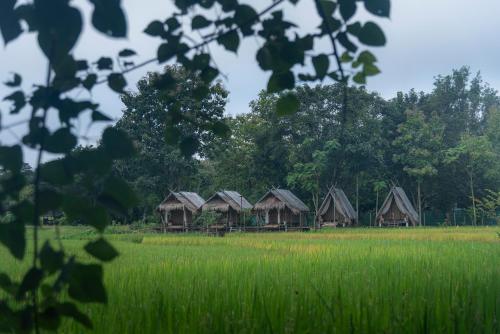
x,y
178,209
336,210
280,209
397,210
231,205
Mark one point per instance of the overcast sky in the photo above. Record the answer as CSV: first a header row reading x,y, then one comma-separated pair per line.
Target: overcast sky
x,y
424,38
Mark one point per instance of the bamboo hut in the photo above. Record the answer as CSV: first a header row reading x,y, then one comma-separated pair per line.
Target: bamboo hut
x,y
397,210
178,210
231,205
280,208
336,210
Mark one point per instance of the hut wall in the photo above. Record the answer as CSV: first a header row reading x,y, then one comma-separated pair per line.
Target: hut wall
x,y
393,215
328,216
176,217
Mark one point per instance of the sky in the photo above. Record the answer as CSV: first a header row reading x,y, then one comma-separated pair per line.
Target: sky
x,y
425,38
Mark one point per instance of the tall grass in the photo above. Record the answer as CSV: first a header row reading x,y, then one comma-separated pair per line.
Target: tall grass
x,y
338,281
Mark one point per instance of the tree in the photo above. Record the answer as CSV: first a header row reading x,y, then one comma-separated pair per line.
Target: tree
x,y
475,153
418,148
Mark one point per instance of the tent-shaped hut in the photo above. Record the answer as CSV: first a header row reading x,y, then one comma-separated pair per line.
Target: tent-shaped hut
x,y
280,208
178,210
336,210
230,205
397,210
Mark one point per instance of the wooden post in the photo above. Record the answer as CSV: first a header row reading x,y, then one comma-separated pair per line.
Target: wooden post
x,y
267,217
184,218
279,216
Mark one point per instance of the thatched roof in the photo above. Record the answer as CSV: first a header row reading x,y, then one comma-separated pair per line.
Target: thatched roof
x,y
178,200
342,204
225,199
279,199
398,195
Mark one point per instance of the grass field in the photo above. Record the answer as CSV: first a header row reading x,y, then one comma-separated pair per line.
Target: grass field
x,y
441,280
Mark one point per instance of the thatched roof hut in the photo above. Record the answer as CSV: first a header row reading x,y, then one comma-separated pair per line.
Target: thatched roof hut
x,y
230,203
178,208
280,207
397,210
336,209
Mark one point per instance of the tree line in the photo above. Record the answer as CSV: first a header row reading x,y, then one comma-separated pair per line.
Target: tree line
x,y
442,147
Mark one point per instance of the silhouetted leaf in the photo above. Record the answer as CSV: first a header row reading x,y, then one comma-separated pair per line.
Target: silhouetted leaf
x,y
199,22
244,16
117,195
378,7
57,172
359,78
321,64
371,34
366,57
18,100
327,6
117,144
105,63
70,310
9,21
101,249
230,41
49,318
82,210
117,82
99,116
220,129
12,236
15,82
370,70
61,141
90,81
30,281
85,284
7,285
50,259
280,81
11,157
347,8
109,18
354,28
49,200
346,43
155,29
165,52
287,104
127,53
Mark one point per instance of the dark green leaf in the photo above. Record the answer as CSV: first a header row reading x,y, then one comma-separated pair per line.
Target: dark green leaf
x,y
70,310
287,104
366,57
105,63
370,69
378,7
49,200
89,81
371,34
117,82
82,210
327,6
117,195
244,17
101,249
117,144
99,116
49,318
321,64
346,43
155,29
230,40
359,78
346,57
354,28
221,129
93,160
347,8
82,65
172,135
10,26
172,24
126,53
50,259
165,52
18,100
86,284
109,18
57,172
12,236
11,157
61,141
280,81
15,82
30,281
200,22
7,285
